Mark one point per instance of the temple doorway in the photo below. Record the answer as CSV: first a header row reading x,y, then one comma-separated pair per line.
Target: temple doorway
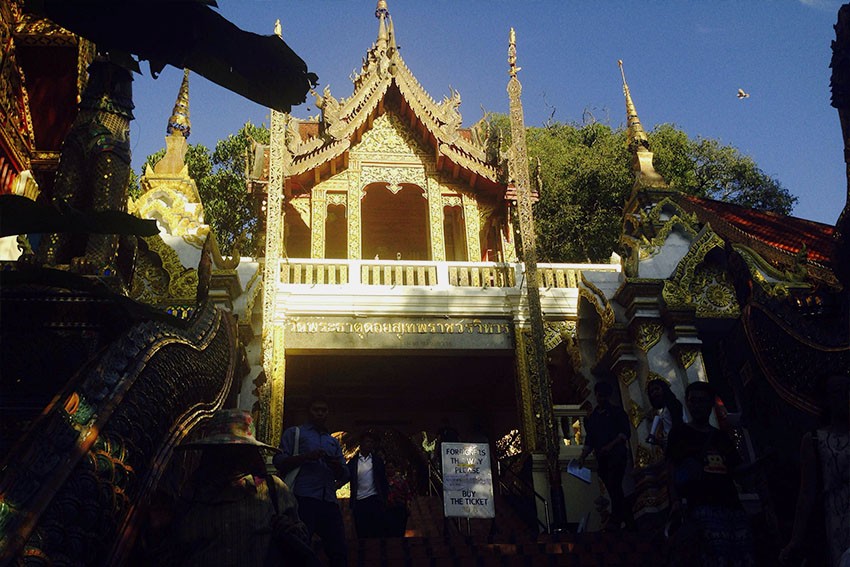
x,y
395,224
407,394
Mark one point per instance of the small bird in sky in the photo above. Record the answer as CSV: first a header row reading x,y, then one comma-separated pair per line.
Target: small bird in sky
x,y
742,95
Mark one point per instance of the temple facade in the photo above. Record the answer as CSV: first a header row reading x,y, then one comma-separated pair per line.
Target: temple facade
x,y
400,282
391,281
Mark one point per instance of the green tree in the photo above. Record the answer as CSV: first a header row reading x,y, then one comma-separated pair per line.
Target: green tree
x,y
706,168
586,177
221,177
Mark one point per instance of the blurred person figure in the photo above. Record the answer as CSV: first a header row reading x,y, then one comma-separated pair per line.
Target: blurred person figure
x,y
399,498
368,488
824,485
669,412
608,432
232,513
701,463
317,456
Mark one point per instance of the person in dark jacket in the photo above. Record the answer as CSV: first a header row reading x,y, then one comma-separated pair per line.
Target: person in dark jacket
x,y
608,432
368,488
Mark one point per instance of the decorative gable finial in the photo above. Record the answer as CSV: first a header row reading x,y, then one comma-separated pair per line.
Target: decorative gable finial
x,y
381,9
639,142
636,133
180,114
381,12
512,54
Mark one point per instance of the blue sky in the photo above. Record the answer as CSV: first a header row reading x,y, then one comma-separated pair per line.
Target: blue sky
x,y
684,61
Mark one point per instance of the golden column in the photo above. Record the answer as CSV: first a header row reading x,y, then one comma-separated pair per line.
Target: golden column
x,y
271,393
531,364
354,195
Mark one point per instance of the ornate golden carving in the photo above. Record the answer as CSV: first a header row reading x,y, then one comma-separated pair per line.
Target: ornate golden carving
x,y
704,288
394,176
627,375
643,457
602,307
170,280
636,413
276,387
303,207
687,356
354,219
656,376
473,229
648,335
319,212
388,139
525,397
771,280
508,246
451,200
556,332
435,220
271,271
337,199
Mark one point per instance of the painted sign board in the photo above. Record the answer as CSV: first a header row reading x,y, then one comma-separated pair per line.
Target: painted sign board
x,y
467,480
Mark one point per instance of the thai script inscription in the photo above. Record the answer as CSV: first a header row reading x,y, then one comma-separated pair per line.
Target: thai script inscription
x,y
475,326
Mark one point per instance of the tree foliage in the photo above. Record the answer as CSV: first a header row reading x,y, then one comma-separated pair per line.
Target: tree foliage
x,y
586,179
221,177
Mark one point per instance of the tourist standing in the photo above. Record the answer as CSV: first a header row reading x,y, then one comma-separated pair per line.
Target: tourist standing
x,y
701,463
608,432
668,411
316,455
399,498
232,513
825,483
368,488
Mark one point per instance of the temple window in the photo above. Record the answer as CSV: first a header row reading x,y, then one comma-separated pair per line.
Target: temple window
x,y
395,225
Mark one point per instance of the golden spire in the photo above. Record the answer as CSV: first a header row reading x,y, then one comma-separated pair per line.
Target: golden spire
x,y
512,54
381,12
391,31
180,115
636,134
638,142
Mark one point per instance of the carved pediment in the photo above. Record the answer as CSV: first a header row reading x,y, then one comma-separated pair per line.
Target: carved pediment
x,y
390,139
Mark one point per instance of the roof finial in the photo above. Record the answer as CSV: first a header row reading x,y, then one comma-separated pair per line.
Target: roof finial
x,y
636,134
393,47
381,9
180,115
381,12
278,31
639,143
512,54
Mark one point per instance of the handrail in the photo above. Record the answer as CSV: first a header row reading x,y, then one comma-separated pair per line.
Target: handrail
x,y
432,486
517,480
434,473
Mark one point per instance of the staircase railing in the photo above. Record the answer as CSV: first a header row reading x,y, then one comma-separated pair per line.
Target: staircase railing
x,y
435,487
513,485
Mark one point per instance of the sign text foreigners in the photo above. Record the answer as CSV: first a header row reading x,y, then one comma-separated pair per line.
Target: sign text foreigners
x,y
467,480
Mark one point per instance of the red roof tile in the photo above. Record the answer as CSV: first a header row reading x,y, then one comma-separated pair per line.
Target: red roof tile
x,y
781,232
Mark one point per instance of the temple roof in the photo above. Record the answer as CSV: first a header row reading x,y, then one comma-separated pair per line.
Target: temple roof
x,y
778,238
384,83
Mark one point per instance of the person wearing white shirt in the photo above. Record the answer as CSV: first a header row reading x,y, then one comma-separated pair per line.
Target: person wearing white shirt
x,y
368,489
